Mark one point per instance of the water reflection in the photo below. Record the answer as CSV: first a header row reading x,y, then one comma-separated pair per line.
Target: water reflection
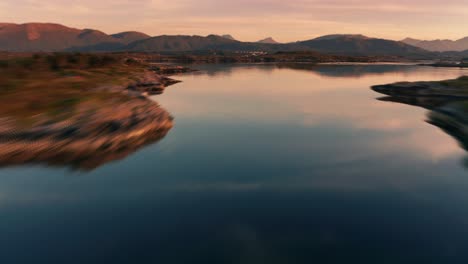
x,y
445,112
270,95
264,166
83,137
351,70
325,70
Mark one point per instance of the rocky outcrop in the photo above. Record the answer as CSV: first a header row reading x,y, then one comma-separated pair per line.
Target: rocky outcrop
x,y
421,89
447,102
88,139
90,134
164,69
150,83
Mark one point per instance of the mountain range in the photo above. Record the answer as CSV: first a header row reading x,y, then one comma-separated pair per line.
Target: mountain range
x,y
34,37
55,37
439,45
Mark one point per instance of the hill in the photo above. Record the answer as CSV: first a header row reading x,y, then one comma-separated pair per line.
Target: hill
x,y
34,37
360,45
337,44
130,36
181,43
439,45
268,40
47,37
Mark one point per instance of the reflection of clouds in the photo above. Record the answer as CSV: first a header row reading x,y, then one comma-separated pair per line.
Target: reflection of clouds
x,y
297,98
3,199
17,196
356,70
422,142
282,131
215,71
249,246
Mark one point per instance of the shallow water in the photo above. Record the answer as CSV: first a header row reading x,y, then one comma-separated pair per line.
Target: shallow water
x,y
265,164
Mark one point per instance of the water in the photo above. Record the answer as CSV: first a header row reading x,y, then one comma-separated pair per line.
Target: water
x,y
265,164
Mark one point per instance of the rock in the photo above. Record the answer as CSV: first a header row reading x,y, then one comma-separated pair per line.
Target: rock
x,y
90,134
447,102
89,146
151,83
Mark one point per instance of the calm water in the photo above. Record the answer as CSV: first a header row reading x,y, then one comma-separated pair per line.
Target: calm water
x,y
264,165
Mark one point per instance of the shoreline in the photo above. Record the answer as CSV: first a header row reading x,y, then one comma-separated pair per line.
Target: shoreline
x,y
447,102
104,123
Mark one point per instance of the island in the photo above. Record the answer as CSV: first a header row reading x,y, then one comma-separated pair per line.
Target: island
x,y
447,102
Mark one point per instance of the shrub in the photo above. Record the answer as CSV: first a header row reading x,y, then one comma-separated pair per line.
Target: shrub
x,y
73,59
106,60
131,61
94,61
53,62
26,63
4,64
36,56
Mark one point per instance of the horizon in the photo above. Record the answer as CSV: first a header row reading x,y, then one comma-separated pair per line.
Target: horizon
x,y
229,34
245,19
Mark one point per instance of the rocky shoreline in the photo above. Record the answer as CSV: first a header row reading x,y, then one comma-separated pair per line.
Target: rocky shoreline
x,y
91,135
447,102
151,83
423,89
446,65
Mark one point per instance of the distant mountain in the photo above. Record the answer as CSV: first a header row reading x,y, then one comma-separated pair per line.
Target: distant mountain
x,y
32,37
337,44
181,43
342,36
411,41
268,40
5,24
359,45
439,45
130,36
47,37
227,36
119,42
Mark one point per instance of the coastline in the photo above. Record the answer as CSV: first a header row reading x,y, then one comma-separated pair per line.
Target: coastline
x,y
447,102
94,125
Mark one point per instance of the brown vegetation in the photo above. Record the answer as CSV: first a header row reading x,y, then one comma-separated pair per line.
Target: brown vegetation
x,y
77,109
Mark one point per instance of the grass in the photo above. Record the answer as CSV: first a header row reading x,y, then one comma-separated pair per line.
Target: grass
x,y
461,82
58,84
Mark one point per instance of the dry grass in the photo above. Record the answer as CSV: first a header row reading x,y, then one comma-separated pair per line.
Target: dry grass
x,y
461,82
57,84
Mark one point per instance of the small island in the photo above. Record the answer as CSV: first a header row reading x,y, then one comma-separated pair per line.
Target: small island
x,y
446,100
463,63
79,110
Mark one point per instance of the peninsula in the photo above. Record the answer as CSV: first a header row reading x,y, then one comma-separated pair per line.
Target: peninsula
x,y
447,102
76,109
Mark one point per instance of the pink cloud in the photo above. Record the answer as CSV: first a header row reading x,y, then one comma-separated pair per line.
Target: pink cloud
x,y
252,19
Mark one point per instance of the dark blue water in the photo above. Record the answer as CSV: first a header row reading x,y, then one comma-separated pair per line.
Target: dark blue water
x,y
263,165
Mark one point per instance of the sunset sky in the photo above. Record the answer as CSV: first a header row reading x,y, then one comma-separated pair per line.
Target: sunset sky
x,y
250,20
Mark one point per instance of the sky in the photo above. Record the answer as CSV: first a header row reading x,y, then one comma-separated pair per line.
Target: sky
x,y
251,20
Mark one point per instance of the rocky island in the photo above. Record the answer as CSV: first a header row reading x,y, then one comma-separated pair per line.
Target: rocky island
x,y
447,102
78,110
